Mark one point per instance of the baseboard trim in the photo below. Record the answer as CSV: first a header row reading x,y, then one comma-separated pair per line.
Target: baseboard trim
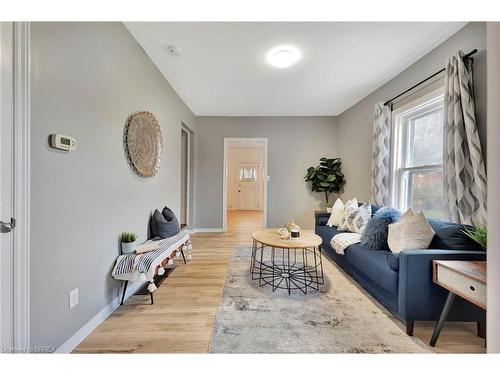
x,y
93,323
208,230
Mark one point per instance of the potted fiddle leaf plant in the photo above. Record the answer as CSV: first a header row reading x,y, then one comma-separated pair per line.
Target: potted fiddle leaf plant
x,y
326,178
129,241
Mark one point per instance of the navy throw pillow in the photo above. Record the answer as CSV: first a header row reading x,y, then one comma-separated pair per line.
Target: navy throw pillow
x,y
375,234
161,227
450,236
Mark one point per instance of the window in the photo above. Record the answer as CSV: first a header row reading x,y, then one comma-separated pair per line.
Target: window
x,y
417,172
248,174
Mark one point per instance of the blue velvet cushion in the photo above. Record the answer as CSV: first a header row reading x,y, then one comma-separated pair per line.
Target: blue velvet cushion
x,y
450,236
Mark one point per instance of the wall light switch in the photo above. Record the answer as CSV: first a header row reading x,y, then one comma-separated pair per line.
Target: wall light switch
x,y
73,298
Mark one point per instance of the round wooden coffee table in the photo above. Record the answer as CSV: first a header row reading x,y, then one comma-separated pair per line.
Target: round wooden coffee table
x,y
293,264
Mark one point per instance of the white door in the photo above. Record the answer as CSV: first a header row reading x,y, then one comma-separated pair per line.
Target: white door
x,y
248,186
6,190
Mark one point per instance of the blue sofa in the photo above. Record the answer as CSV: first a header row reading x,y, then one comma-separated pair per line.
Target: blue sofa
x,y
403,282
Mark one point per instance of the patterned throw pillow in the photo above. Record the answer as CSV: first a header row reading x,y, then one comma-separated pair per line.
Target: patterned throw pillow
x,y
357,220
349,207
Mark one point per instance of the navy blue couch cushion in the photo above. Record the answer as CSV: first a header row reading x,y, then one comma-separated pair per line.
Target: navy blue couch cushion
x,y
327,233
450,236
393,261
373,263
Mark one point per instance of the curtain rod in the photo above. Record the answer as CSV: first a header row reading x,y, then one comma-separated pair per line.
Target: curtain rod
x,y
428,78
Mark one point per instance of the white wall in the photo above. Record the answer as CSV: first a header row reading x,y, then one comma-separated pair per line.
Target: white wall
x,y
86,79
241,154
493,315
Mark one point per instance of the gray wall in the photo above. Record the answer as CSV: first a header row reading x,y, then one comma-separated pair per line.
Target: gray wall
x,y
354,126
493,326
86,80
294,144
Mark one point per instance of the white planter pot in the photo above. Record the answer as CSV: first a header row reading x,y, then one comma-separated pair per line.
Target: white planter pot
x,y
128,247
329,210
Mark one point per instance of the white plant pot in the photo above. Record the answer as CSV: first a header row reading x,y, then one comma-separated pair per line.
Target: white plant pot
x,y
329,210
128,247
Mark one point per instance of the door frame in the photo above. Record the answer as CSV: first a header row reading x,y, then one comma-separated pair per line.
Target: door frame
x,y
225,176
21,185
189,132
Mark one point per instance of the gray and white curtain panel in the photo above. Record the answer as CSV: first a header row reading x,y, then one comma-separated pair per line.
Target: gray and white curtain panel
x,y
463,165
381,153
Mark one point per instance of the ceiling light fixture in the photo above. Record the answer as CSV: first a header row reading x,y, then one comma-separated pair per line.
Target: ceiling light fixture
x,y
283,56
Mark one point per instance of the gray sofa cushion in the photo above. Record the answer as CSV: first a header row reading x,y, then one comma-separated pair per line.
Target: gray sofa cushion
x,y
161,227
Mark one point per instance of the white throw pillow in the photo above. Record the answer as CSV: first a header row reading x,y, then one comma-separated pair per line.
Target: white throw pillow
x,y
412,231
337,213
349,207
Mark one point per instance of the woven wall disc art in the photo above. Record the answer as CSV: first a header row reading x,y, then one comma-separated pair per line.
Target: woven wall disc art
x,y
143,143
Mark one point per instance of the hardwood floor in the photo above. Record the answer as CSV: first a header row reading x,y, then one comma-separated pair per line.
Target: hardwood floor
x,y
182,317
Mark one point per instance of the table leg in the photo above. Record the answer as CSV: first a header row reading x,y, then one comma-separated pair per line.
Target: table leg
x,y
288,270
124,290
304,261
442,318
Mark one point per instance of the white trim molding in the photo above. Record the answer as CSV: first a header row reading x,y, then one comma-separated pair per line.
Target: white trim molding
x,y
207,230
225,176
22,184
87,329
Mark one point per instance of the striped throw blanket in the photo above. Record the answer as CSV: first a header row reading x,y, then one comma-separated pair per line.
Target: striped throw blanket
x,y
130,266
342,241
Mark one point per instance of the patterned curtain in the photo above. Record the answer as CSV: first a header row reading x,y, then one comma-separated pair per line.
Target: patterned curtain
x,y
381,150
463,166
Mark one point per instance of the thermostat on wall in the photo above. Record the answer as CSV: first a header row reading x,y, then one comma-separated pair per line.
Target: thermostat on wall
x,y
63,142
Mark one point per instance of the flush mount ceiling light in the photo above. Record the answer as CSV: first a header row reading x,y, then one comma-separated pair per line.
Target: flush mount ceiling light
x,y
283,56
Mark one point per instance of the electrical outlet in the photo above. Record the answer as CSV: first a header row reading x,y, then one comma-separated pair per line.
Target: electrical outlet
x,y
73,298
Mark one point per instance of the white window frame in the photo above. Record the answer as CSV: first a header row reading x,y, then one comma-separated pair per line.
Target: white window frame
x,y
400,192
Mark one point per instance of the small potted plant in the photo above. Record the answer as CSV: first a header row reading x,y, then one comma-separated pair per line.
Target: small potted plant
x,y
478,234
128,240
329,207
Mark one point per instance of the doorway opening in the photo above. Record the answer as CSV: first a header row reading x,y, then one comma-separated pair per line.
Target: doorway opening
x,y
186,175
245,184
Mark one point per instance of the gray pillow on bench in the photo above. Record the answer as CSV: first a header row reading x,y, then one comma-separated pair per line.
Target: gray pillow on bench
x,y
164,224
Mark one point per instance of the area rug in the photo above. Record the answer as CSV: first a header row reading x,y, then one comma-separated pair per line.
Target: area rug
x,y
340,318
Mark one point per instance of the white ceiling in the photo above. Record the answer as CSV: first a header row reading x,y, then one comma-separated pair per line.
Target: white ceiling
x,y
222,69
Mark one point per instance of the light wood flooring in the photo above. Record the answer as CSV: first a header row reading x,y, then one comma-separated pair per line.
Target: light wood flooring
x,y
182,317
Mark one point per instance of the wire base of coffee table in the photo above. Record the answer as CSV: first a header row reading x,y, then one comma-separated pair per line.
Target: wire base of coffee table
x,y
287,268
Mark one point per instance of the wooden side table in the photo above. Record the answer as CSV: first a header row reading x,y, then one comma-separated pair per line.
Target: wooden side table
x,y
464,278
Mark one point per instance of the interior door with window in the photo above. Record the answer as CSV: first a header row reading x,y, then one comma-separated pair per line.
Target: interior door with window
x,y
6,186
248,186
